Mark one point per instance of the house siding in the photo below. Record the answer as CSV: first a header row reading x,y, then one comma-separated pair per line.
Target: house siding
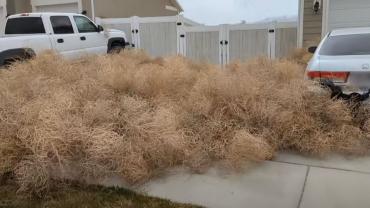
x,y
312,24
109,8
18,6
346,14
129,8
86,6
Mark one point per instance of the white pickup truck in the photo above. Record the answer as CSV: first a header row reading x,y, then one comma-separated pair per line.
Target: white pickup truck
x,y
71,35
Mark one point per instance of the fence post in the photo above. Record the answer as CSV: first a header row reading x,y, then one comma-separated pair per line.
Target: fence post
x,y
133,36
135,31
221,45
181,36
272,40
226,34
224,42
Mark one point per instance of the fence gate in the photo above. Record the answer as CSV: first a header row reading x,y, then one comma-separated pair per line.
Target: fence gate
x,y
203,43
248,41
158,36
226,43
286,39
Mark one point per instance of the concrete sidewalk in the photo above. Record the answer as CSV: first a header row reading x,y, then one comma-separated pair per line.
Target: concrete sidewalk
x,y
290,181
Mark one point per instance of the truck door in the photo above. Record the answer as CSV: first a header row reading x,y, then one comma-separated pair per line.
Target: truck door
x,y
92,40
65,40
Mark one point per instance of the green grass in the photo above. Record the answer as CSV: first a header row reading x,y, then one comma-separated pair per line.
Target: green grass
x,y
79,196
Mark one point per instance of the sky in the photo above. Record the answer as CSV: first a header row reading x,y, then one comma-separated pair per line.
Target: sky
x,y
213,12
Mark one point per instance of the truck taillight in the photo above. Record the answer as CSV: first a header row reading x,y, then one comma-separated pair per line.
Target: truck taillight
x,y
340,77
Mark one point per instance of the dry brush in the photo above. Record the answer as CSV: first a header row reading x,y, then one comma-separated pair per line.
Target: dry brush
x,y
135,116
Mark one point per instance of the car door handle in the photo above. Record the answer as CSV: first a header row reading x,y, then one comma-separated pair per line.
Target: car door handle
x,y
83,38
60,40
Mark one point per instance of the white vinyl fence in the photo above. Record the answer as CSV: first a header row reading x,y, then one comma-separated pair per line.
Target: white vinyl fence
x,y
158,36
226,43
201,43
248,41
285,39
162,36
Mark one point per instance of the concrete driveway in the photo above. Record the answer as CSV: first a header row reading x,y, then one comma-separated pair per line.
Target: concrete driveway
x,y
290,181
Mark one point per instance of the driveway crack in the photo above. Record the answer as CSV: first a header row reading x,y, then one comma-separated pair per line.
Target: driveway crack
x,y
304,187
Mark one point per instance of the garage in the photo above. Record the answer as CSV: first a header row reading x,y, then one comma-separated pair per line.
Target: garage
x,y
345,13
68,8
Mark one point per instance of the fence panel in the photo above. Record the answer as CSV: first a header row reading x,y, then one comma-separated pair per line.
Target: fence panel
x,y
248,43
286,40
202,43
158,39
203,46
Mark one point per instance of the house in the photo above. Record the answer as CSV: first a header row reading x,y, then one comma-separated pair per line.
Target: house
x,y
94,8
318,17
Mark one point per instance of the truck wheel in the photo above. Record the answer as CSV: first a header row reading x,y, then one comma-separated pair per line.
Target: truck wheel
x,y
16,55
116,49
10,61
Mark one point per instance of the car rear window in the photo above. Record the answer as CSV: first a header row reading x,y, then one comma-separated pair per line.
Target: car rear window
x,y
345,45
25,25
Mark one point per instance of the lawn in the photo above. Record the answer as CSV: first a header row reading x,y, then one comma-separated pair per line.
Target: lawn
x,y
80,196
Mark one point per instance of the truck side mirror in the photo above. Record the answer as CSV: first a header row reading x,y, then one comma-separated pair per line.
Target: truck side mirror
x,y
312,49
100,28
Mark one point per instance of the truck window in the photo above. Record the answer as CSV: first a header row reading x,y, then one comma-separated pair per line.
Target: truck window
x,y
84,25
24,25
61,25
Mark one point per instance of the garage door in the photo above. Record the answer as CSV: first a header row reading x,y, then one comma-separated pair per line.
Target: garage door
x,y
348,13
66,8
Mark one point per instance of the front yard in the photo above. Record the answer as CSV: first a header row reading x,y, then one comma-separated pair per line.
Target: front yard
x,y
135,117
79,196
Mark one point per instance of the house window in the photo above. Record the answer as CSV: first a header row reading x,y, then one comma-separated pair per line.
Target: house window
x,y
61,25
84,25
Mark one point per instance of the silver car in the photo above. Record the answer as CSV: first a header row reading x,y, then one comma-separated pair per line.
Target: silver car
x,y
342,63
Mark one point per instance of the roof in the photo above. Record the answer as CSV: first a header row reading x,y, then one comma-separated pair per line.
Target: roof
x,y
178,5
350,31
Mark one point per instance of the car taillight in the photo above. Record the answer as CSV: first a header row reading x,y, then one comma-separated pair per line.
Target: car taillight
x,y
341,77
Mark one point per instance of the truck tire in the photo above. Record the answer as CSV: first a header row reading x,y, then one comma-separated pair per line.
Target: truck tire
x,y
116,49
116,45
8,57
